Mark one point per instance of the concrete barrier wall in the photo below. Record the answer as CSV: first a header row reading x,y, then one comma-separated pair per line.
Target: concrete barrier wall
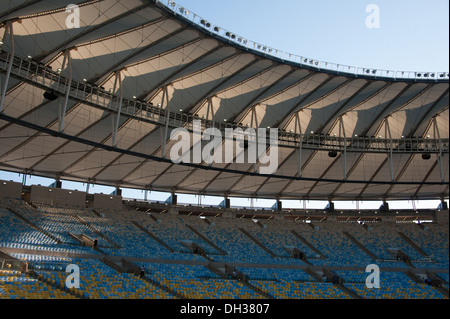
x,y
57,197
10,189
102,201
442,217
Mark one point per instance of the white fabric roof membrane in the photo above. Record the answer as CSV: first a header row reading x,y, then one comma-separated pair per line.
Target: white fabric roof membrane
x,y
388,135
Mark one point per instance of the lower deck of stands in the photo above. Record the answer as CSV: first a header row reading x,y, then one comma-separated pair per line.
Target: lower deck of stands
x,y
193,258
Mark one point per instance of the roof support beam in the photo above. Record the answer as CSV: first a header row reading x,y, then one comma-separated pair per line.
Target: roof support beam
x,y
299,105
116,119
213,91
14,10
9,29
433,111
254,123
378,118
298,130
358,161
256,100
436,133
49,56
67,62
209,110
387,132
345,107
100,145
445,191
110,164
343,135
123,62
165,100
171,78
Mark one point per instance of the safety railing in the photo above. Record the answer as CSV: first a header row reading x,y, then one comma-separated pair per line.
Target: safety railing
x,y
301,60
53,81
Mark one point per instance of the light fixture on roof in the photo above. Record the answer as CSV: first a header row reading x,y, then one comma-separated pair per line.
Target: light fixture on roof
x,y
50,95
332,154
230,35
426,156
205,23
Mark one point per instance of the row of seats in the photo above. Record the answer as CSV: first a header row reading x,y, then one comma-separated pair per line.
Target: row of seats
x,y
300,290
195,281
395,285
98,281
331,242
14,285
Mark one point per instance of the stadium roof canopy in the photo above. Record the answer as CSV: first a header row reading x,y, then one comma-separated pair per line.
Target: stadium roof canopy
x,y
139,69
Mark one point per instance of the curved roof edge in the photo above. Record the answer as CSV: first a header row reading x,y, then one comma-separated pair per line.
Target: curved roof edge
x,y
223,35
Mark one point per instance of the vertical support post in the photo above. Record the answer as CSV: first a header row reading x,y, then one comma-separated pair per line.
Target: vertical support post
x,y
298,130
390,159
24,178
436,133
166,130
62,110
119,107
210,110
256,126
343,136
9,28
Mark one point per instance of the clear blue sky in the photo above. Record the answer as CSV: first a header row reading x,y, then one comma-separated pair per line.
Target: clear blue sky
x,y
412,35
